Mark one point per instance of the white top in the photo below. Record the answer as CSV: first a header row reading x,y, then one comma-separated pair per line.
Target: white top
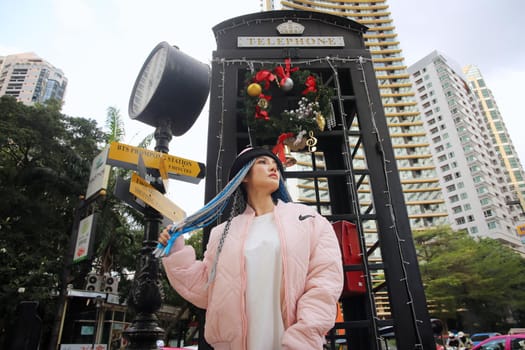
x,y
263,290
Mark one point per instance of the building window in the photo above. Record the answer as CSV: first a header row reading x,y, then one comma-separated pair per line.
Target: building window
x,y
457,209
481,190
460,221
485,201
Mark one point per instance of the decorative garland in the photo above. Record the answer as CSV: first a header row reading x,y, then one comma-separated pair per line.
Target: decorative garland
x,y
292,127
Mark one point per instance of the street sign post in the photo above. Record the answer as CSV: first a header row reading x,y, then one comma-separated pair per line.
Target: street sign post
x,y
143,190
127,157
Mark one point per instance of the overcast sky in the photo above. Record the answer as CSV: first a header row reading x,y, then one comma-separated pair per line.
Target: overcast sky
x,y
101,46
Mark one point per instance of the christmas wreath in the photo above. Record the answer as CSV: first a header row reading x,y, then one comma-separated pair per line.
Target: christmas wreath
x,y
302,104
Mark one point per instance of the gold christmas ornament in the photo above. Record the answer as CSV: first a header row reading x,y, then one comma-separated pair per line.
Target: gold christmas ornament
x,y
311,142
321,122
254,89
262,103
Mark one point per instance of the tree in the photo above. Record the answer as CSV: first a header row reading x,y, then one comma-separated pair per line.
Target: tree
x,y
45,162
480,281
115,125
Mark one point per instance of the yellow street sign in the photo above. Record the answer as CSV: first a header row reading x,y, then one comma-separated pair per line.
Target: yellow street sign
x,y
127,157
143,190
163,173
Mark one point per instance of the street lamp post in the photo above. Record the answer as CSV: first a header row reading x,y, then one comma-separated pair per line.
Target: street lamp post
x,y
168,94
146,292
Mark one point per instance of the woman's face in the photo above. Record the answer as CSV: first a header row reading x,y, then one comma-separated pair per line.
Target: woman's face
x,y
263,176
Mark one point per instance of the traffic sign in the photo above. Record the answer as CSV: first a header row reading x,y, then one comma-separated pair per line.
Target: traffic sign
x,y
143,190
127,157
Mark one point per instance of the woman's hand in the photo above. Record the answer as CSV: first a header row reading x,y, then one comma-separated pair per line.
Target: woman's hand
x,y
164,235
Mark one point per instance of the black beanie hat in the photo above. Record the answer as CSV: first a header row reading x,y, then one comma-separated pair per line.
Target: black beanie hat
x,y
250,153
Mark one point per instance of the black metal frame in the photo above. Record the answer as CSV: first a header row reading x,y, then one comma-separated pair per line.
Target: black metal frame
x,y
360,118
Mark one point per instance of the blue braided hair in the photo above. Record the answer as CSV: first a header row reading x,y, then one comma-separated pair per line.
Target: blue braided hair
x,y
215,207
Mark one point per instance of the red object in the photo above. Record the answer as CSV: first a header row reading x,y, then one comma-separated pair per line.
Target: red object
x,y
284,73
265,77
503,342
311,85
278,149
350,249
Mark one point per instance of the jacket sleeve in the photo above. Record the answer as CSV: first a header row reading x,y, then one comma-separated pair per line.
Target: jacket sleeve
x,y
189,276
316,308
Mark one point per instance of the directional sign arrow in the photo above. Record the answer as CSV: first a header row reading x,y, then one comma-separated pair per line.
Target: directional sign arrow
x,y
127,157
144,191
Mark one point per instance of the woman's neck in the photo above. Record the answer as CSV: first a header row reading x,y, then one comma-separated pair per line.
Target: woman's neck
x,y
261,204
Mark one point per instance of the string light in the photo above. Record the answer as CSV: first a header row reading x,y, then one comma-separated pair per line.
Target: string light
x,y
355,205
220,151
361,61
393,217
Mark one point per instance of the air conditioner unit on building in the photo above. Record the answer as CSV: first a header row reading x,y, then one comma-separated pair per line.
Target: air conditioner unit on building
x,y
93,282
110,284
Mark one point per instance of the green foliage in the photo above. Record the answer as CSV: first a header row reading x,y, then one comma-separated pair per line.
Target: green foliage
x,y
482,278
195,240
115,124
45,161
276,111
44,167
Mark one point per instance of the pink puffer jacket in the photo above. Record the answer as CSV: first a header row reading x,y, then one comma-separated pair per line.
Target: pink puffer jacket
x,y
311,284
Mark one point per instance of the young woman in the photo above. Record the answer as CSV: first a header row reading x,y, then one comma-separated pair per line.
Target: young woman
x,y
272,273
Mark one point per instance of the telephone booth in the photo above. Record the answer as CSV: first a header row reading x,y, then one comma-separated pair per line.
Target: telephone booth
x,y
345,167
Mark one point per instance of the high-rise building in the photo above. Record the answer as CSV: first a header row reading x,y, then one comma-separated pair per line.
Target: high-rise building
x,y
30,79
475,185
420,183
499,136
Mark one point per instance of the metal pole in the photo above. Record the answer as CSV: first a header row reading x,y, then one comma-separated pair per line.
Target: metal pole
x,y
146,294
96,333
